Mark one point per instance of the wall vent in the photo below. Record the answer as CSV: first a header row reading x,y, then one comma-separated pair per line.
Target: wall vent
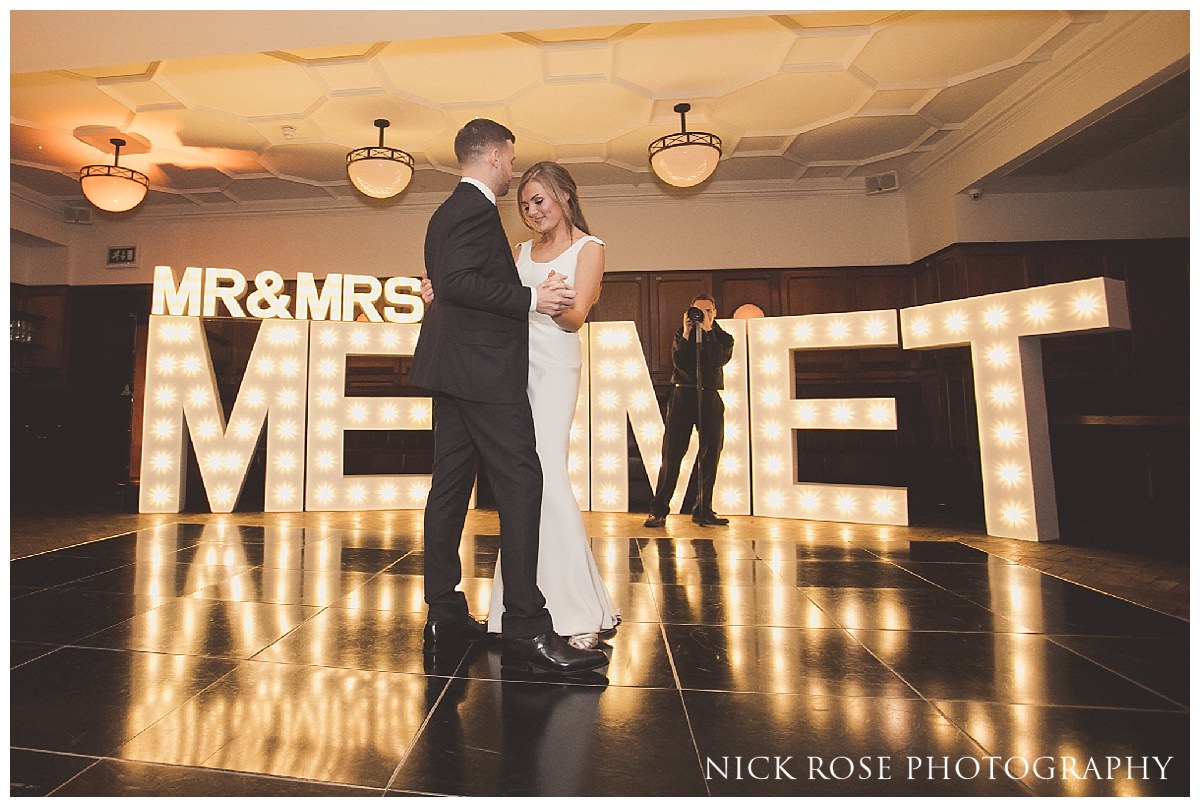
x,y
882,183
77,215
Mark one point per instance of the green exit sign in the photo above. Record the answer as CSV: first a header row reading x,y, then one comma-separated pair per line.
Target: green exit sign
x,y
121,257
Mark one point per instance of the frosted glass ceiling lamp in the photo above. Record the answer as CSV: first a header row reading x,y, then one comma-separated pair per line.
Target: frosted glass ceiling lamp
x,y
111,187
687,158
379,171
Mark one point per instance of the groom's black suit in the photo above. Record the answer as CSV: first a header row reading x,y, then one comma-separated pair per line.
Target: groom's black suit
x,y
473,355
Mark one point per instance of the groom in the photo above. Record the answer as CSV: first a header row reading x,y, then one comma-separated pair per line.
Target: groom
x,y
473,355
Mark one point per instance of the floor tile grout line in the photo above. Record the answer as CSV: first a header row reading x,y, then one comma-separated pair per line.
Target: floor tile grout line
x,y
662,631
205,769
319,610
1029,564
850,635
96,761
989,554
236,664
677,668
1050,638
930,704
1095,707
450,681
930,699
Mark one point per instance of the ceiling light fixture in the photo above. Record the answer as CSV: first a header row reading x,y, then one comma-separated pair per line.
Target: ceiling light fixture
x,y
687,158
111,187
379,171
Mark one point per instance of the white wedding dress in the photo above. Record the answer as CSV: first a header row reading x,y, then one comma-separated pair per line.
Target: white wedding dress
x,y
576,597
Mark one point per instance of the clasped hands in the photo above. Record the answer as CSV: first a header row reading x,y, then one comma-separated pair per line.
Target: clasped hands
x,y
554,296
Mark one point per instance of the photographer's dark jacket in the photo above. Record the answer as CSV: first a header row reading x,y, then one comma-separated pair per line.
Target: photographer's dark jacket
x,y
716,349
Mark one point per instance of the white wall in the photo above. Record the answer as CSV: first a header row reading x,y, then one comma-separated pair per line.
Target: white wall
x,y
19,264
699,233
374,242
753,231
37,253
1048,216
715,232
719,232
1137,51
39,245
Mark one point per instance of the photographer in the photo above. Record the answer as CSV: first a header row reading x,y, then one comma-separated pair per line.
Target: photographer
x,y
694,403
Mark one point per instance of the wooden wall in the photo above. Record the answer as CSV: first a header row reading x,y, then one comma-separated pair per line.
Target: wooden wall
x,y
1118,402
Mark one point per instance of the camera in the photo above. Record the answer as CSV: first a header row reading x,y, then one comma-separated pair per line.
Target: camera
x,y
695,314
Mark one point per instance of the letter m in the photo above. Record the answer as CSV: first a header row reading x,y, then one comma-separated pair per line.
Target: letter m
x,y
183,400
177,302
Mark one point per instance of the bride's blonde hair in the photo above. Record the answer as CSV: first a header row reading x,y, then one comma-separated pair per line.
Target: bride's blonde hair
x,y
559,183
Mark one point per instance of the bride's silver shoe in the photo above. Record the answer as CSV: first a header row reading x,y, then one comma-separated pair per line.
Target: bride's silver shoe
x,y
608,633
584,641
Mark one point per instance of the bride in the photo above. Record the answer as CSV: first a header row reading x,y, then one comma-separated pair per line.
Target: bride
x,y
576,597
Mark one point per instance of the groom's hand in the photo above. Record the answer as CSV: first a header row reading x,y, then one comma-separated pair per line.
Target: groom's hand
x,y
553,295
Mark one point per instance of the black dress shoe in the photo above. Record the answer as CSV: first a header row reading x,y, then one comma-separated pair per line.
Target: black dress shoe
x,y
549,651
446,631
655,521
711,520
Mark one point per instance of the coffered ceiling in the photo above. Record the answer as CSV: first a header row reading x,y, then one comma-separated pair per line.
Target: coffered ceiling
x,y
804,102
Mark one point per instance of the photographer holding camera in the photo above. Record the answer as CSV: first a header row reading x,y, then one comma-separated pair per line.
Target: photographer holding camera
x,y
699,353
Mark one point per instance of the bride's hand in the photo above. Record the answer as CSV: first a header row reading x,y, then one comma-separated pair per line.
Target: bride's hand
x,y
554,280
426,290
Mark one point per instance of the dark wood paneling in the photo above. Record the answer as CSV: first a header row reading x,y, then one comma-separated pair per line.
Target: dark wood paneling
x,y
71,422
670,296
925,283
1064,263
1159,299
141,335
1080,371
989,270
816,292
738,288
950,277
625,298
820,367
378,376
954,368
42,361
876,289
885,363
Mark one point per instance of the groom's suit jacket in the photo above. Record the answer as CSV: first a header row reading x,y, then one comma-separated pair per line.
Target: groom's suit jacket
x,y
474,341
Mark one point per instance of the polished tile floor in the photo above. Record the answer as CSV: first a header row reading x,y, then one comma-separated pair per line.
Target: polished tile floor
x,y
280,654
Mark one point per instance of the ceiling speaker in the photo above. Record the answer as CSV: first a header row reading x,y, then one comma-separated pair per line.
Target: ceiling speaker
x,y
882,183
77,215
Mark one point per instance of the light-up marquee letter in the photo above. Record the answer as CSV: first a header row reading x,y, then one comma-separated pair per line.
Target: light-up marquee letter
x,y
294,387
775,413
182,397
731,495
337,297
578,468
621,388
331,413
1003,332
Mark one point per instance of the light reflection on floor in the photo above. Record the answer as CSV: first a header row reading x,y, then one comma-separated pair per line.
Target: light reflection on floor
x,y
771,657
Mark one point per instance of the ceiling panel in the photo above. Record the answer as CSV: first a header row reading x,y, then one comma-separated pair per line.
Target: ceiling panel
x,y
808,101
